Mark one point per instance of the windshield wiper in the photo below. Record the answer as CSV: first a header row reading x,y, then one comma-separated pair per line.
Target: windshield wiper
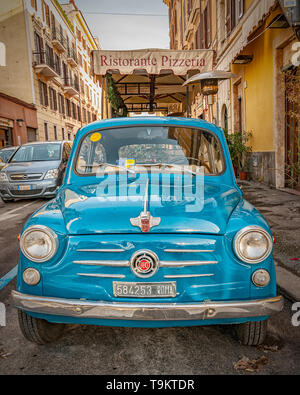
x,y
109,164
168,165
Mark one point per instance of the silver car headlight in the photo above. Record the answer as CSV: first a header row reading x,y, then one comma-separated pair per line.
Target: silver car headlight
x,y
3,176
52,173
252,244
39,243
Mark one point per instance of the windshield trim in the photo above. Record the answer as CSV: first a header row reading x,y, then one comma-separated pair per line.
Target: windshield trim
x,y
149,125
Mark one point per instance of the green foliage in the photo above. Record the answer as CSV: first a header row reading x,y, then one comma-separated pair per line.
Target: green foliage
x,y
239,149
115,98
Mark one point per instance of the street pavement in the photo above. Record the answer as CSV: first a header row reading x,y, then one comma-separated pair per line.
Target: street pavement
x,y
282,211
105,350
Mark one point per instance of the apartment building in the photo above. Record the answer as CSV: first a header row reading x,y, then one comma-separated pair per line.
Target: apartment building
x,y
44,69
192,25
257,40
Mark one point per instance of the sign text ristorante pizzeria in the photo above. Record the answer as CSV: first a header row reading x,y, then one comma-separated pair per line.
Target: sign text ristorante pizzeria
x,y
153,61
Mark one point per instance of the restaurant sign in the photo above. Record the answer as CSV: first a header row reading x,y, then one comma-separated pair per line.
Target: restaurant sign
x,y
152,61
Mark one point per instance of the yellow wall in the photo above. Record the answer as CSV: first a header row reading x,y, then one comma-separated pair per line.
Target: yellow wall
x,y
258,93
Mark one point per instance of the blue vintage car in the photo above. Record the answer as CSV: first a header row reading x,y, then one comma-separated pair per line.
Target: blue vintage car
x,y
149,229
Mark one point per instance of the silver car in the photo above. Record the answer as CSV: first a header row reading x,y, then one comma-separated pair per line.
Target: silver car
x,y
35,170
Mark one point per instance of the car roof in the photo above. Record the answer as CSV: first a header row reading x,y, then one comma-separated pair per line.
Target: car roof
x,y
8,148
48,142
147,120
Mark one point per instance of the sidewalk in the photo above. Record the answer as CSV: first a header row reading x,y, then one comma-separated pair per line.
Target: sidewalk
x,y
282,211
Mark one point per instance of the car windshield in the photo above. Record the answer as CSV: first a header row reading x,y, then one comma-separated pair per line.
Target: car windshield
x,y
162,147
37,152
5,154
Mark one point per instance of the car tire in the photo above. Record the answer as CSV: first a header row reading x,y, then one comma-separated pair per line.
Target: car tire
x,y
6,200
252,333
37,330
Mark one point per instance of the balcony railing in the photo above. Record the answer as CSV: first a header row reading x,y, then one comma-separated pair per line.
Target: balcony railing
x,y
58,40
72,58
71,86
45,64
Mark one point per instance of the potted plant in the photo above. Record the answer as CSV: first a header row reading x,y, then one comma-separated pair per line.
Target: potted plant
x,y
239,152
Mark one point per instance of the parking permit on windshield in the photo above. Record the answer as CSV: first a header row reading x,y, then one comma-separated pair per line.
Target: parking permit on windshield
x,y
96,137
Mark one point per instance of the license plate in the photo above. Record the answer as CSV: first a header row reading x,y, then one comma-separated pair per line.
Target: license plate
x,y
24,187
144,290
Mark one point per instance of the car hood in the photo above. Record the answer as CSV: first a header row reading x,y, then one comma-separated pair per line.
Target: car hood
x,y
90,210
31,167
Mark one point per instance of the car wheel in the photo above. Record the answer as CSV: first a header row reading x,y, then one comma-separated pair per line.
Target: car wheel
x,y
37,330
252,333
6,200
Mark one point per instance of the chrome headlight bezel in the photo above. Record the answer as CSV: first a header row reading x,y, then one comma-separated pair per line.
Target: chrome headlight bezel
x,y
49,232
245,231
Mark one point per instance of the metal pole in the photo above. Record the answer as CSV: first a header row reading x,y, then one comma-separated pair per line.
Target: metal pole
x,y
187,98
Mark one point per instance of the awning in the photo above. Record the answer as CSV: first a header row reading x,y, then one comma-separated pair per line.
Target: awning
x,y
258,10
153,61
151,79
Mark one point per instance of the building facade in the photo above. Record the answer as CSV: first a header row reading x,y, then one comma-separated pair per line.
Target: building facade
x,y
252,39
43,67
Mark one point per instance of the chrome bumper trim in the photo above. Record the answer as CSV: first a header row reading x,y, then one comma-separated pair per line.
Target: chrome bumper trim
x,y
147,311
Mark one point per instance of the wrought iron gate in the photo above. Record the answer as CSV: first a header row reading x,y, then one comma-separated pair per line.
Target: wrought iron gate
x,y
292,124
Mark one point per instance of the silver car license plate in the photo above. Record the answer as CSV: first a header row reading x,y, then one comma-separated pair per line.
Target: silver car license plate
x,y
24,187
144,290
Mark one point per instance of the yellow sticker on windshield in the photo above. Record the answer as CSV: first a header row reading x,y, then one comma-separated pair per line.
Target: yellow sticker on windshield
x,y
129,162
96,137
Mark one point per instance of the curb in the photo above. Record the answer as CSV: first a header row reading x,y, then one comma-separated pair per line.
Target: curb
x,y
288,283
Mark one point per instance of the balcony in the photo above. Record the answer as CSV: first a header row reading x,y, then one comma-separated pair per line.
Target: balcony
x,y
58,41
72,57
45,65
71,86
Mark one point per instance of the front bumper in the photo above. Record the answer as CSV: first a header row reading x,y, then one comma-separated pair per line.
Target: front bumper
x,y
147,311
9,190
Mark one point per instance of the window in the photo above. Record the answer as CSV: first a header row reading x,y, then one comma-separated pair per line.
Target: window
x,y
43,94
55,132
61,104
63,133
57,64
39,47
240,8
47,14
78,34
207,25
46,131
78,112
33,4
80,59
68,107
53,99
74,115
234,12
83,115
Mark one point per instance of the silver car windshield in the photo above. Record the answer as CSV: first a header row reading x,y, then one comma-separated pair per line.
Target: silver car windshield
x,y
37,152
164,147
5,154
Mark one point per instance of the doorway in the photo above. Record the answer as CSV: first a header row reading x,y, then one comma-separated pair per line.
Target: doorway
x,y
292,122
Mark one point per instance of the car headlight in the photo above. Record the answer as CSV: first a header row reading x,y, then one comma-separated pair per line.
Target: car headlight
x,y
3,176
252,244
53,173
39,243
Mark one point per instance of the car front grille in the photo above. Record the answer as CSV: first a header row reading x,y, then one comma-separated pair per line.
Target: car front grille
x,y
25,176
